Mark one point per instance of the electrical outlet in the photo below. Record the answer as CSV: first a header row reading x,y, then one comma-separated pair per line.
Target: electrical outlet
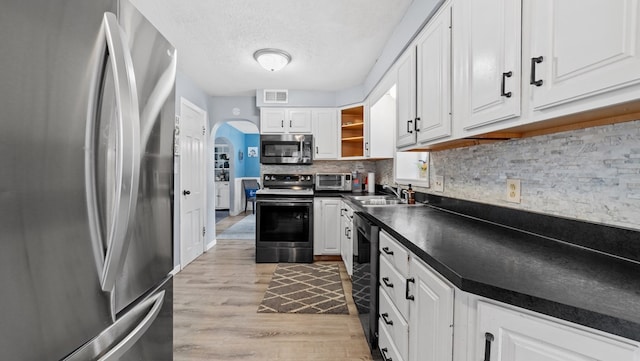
x,y
513,190
438,185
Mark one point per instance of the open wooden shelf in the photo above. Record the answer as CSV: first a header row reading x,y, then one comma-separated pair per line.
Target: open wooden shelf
x,y
352,127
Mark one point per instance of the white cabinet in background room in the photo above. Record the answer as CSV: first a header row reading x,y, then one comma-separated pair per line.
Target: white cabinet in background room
x,y
222,195
508,335
578,57
346,237
326,226
413,294
488,44
325,133
427,85
285,120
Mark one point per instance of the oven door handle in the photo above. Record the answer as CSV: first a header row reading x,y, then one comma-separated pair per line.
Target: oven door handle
x,y
287,202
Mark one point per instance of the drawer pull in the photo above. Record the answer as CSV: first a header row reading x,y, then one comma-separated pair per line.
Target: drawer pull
x,y
384,351
385,317
386,282
406,290
488,338
387,251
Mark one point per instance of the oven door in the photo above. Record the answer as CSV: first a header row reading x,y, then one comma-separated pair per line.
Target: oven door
x,y
284,230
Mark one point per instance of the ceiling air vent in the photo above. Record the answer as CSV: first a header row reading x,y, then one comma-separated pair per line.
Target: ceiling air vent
x,y
272,96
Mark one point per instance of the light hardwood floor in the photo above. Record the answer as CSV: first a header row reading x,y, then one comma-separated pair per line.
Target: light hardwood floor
x,y
215,303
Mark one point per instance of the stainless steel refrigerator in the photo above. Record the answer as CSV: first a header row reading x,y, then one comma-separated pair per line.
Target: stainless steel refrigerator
x,y
86,166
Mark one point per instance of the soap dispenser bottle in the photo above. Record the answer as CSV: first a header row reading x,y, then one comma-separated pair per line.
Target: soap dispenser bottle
x,y
411,195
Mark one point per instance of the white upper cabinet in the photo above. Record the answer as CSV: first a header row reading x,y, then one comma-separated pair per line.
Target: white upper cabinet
x,y
433,51
424,84
283,120
488,35
325,133
406,100
580,50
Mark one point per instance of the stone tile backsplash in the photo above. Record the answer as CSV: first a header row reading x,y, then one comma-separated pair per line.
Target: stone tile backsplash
x,y
589,174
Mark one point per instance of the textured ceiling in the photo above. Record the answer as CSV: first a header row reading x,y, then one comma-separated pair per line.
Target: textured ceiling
x,y
333,43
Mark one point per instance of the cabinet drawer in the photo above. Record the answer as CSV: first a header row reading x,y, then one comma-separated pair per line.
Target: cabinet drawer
x,y
396,326
394,284
395,253
387,347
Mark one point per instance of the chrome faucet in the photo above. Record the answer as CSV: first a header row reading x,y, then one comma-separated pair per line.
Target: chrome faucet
x,y
386,186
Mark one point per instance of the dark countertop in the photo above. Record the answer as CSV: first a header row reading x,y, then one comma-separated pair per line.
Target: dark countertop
x,y
537,273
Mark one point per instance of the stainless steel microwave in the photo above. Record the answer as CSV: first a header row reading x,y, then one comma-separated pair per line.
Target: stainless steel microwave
x,y
333,182
286,149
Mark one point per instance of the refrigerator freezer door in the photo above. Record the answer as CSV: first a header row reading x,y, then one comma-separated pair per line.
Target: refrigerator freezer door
x,y
51,301
130,335
150,250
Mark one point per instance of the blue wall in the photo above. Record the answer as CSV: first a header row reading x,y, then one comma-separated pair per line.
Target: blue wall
x,y
245,167
252,165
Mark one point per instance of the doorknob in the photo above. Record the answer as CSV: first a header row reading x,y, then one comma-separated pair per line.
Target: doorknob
x,y
186,193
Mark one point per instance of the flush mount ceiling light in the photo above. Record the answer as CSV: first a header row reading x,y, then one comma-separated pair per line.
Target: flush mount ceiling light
x,y
272,59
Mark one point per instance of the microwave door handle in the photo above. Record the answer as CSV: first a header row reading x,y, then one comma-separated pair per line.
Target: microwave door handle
x,y
129,148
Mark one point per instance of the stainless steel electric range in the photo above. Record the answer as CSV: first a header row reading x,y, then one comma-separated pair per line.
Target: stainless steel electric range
x,y
284,219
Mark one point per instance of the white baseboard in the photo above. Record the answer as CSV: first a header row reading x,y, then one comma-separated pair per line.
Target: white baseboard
x,y
210,244
175,270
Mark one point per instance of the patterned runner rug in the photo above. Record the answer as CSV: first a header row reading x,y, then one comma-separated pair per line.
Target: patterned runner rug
x,y
305,288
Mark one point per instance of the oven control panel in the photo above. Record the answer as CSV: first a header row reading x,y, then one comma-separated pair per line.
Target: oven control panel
x,y
288,181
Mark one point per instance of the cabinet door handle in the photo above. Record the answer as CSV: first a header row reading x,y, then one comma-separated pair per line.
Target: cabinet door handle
x,y
409,130
386,282
282,123
387,251
290,123
415,125
505,75
533,80
317,150
406,289
384,351
349,233
488,338
385,317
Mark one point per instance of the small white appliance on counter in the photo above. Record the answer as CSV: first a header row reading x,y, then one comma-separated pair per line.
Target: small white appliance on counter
x,y
340,182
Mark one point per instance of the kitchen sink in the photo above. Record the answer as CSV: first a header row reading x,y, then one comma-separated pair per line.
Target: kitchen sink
x,y
379,201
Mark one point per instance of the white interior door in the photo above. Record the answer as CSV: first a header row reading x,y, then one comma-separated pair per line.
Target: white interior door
x,y
192,181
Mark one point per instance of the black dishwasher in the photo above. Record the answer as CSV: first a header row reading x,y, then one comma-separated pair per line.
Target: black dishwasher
x,y
365,276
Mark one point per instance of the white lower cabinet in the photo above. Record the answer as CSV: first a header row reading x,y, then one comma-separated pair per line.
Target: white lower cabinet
x,y
508,335
347,235
416,306
326,226
431,314
416,322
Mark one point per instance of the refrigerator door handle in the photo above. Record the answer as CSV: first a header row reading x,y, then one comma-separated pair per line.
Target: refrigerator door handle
x,y
111,252
110,345
127,194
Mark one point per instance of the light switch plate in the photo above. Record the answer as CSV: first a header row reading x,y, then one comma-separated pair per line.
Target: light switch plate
x,y
438,184
513,190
